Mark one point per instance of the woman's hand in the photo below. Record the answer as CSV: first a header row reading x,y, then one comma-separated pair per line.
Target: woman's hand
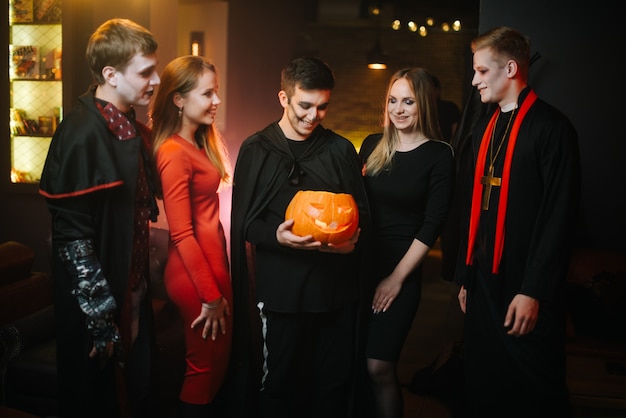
x,y
212,317
386,292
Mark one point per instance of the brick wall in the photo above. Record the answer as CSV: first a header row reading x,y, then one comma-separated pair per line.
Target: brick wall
x,y
357,101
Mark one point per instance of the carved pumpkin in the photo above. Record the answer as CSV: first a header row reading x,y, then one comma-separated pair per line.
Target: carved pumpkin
x,y
329,217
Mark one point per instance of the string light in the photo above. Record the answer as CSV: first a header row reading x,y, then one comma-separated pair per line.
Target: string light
x,y
429,22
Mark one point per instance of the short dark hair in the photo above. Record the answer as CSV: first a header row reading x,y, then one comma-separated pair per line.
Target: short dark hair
x,y
306,73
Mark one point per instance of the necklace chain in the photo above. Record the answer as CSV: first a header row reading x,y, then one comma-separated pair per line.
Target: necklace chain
x,y
492,157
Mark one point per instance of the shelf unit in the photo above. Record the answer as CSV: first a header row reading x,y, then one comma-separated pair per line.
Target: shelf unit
x,y
35,84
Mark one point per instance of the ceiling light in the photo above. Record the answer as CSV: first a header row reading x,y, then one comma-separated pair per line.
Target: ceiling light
x,y
376,58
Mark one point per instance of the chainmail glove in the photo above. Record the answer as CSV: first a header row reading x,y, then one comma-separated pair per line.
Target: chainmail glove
x,y
92,291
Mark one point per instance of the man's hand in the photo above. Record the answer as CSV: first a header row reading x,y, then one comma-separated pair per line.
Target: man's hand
x,y
289,239
344,247
103,350
522,315
462,298
107,353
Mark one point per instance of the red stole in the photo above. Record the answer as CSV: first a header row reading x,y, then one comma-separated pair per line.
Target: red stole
x,y
504,190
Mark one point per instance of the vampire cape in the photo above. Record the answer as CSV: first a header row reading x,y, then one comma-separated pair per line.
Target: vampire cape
x,y
263,166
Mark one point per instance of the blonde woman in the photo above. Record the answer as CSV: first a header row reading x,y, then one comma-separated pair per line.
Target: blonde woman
x,y
409,178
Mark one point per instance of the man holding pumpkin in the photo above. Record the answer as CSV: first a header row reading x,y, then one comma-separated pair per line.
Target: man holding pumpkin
x,y
296,298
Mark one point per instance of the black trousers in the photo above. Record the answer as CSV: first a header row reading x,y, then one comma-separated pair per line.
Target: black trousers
x,y
308,366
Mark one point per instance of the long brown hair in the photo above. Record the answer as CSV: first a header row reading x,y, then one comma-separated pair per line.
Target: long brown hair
x,y
181,76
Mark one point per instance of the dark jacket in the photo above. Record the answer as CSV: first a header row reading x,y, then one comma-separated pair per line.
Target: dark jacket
x,y
90,180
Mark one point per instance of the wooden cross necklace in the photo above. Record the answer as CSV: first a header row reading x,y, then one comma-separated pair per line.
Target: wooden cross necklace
x,y
490,180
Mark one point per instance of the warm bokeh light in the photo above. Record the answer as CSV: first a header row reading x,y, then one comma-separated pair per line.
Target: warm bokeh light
x,y
377,66
195,48
429,22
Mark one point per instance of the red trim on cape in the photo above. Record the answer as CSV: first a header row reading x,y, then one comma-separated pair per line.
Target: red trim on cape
x,y
83,191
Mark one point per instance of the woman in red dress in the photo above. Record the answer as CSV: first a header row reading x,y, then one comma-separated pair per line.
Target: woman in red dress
x,y
192,165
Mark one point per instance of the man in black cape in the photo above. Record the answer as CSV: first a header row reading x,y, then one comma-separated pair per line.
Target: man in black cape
x,y
98,188
296,309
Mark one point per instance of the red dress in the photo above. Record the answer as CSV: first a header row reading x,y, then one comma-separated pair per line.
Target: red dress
x,y
197,268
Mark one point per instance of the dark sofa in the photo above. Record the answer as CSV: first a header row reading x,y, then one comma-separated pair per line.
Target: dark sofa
x,y
27,344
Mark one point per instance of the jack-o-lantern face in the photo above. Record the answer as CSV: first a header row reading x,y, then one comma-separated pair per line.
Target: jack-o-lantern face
x,y
328,217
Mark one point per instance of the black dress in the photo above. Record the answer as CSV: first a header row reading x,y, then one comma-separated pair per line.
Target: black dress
x,y
410,201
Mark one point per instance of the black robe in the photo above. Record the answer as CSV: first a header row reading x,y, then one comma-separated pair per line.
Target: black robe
x,y
262,167
526,374
90,184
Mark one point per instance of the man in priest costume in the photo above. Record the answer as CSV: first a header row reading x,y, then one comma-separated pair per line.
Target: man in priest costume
x,y
521,209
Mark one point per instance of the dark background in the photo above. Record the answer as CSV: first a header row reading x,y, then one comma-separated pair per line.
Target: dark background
x,y
579,72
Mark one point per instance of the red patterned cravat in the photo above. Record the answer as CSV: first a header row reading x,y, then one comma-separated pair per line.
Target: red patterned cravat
x,y
119,123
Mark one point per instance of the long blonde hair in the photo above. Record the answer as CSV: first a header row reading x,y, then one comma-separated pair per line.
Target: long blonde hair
x,y
181,76
421,84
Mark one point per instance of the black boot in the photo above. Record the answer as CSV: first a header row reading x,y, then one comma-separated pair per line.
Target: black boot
x,y
188,410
